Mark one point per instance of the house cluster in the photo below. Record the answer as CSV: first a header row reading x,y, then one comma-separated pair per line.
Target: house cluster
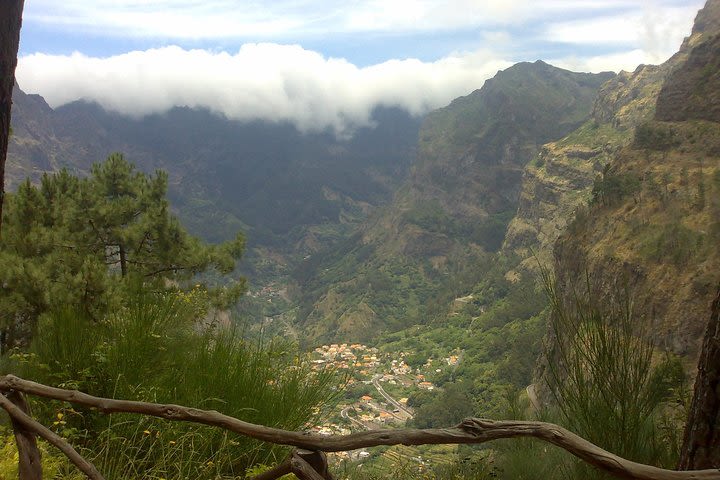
x,y
268,292
452,360
346,355
372,368
330,429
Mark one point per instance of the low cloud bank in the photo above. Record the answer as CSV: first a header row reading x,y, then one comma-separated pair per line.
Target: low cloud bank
x,y
262,81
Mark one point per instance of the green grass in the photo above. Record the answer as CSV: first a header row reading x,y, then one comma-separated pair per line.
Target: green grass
x,y
594,135
154,350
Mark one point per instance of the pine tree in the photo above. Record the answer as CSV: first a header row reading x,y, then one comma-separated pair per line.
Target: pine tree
x,y
82,242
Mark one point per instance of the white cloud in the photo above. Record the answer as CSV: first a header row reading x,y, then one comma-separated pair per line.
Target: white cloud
x,y
605,63
261,81
276,82
657,32
282,19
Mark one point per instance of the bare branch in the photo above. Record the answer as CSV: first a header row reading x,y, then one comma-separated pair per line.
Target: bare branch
x,y
275,473
302,469
33,426
470,431
29,462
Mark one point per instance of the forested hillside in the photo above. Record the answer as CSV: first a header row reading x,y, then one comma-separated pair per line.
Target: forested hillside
x,y
291,193
407,263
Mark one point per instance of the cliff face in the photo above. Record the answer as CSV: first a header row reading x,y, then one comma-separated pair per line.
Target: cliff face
x,y
408,261
472,152
559,180
693,91
653,224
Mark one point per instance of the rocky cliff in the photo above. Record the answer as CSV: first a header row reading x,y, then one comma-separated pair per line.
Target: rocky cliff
x,y
428,246
653,222
559,180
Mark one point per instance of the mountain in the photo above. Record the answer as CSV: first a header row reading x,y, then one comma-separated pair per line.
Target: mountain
x,y
560,179
291,193
653,219
407,261
625,198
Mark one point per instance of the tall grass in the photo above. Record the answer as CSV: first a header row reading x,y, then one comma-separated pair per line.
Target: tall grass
x,y
152,349
608,381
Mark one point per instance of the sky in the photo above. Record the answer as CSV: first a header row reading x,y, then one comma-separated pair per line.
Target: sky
x,y
320,64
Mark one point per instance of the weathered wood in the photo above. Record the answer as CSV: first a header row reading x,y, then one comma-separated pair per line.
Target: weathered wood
x,y
29,461
10,22
302,469
701,443
470,431
300,462
316,460
33,426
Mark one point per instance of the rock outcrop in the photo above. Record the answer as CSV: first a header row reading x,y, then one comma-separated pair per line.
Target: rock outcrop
x,y
693,90
411,259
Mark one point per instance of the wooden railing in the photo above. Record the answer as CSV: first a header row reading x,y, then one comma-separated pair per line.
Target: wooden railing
x,y
308,460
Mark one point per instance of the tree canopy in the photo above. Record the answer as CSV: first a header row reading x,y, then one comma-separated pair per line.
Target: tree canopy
x,y
81,241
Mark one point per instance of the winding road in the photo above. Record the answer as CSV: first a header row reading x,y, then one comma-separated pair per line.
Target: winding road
x,y
390,399
344,414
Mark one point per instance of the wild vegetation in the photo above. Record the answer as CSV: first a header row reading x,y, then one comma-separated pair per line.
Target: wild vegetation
x,y
84,241
106,292
150,350
105,298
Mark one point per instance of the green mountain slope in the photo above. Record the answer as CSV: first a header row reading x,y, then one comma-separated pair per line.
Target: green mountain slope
x,y
291,193
407,262
655,219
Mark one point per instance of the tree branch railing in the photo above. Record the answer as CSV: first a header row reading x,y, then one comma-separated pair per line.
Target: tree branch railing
x,y
308,461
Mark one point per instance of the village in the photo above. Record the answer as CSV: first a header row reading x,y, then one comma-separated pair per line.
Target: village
x,y
377,389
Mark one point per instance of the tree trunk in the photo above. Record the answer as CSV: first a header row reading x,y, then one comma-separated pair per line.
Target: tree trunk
x,y
701,443
10,21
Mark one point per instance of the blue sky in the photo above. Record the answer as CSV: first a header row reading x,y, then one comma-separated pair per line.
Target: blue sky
x,y
323,64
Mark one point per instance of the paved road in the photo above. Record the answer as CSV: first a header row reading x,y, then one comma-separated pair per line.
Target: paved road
x,y
344,414
390,399
530,389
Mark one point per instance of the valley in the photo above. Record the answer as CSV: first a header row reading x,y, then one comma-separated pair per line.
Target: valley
x,y
481,259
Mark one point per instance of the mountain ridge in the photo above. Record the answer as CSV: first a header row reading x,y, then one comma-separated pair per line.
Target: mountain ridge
x,y
657,233
289,192
407,261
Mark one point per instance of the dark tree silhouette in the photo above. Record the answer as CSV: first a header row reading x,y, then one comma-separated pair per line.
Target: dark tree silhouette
x,y
701,445
10,21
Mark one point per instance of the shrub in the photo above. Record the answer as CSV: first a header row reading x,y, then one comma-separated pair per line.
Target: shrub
x,y
655,136
153,350
602,375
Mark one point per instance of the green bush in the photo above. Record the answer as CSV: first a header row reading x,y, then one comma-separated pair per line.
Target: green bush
x,y
671,241
54,463
611,187
153,349
604,380
655,136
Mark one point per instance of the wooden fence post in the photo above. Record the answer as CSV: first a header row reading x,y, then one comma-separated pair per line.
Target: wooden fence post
x,y
315,459
29,465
